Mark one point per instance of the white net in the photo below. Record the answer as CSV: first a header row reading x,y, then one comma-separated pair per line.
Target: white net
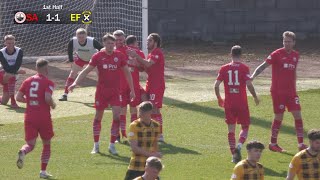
x,y
52,39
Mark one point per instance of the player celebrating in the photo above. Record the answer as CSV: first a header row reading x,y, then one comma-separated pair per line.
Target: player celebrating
x,y
143,136
250,168
110,64
84,47
306,163
154,65
11,60
133,65
236,77
284,62
36,92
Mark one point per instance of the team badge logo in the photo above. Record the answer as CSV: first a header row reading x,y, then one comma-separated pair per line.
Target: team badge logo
x,y
115,59
105,66
20,17
131,134
281,106
294,59
156,56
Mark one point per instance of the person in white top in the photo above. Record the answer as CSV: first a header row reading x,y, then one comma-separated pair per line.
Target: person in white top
x,y
11,60
80,50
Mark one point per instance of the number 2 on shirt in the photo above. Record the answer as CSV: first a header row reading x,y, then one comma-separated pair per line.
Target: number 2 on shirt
x,y
34,88
236,78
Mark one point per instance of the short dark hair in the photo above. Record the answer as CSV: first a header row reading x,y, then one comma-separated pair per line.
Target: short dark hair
x,y
156,37
255,144
145,106
314,134
41,63
108,36
131,39
236,51
154,162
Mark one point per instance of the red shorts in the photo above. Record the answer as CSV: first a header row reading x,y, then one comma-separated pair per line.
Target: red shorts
x,y
236,115
35,127
106,96
80,62
156,97
125,95
281,101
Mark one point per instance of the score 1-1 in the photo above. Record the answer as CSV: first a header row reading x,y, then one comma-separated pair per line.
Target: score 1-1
x,y
52,18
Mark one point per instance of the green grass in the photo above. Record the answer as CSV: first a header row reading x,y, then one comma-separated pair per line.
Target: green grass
x,y
196,135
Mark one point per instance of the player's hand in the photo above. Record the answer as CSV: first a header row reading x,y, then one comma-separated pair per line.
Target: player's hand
x,y
71,87
221,102
21,71
132,95
156,154
132,53
257,101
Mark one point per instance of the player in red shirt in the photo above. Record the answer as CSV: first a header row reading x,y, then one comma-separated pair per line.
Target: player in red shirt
x,y
284,62
110,64
236,77
154,67
36,92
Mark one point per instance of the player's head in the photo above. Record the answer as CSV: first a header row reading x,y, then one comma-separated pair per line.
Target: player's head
x,y
42,66
154,41
109,42
254,149
132,40
145,110
314,139
289,40
120,38
153,167
9,41
81,35
236,52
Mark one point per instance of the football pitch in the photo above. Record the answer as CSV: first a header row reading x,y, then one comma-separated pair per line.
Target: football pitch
x,y
195,133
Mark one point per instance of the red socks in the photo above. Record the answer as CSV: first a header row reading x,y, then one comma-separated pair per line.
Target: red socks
x,y
96,129
275,127
299,130
45,156
123,125
114,131
243,133
232,141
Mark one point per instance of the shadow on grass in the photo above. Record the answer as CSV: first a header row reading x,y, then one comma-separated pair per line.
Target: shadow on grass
x,y
1,124
18,110
124,159
219,112
166,148
86,104
270,172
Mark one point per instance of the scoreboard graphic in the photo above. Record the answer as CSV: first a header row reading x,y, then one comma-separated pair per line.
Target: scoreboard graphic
x,y
52,17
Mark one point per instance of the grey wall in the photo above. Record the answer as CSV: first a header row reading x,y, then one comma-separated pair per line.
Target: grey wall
x,y
233,19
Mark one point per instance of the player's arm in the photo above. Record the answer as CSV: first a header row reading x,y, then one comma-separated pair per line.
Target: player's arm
x,y
70,50
128,76
147,63
81,76
97,45
20,97
49,100
260,69
238,172
139,151
252,91
293,168
217,92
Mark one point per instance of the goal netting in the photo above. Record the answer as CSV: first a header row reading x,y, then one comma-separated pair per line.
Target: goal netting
x,y
52,39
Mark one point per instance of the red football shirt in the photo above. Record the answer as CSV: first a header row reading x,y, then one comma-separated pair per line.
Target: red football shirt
x,y
34,89
284,66
109,68
133,67
234,76
156,71
123,81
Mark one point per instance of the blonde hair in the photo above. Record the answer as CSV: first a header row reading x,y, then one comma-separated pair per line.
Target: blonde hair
x,y
289,34
9,37
81,31
118,33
